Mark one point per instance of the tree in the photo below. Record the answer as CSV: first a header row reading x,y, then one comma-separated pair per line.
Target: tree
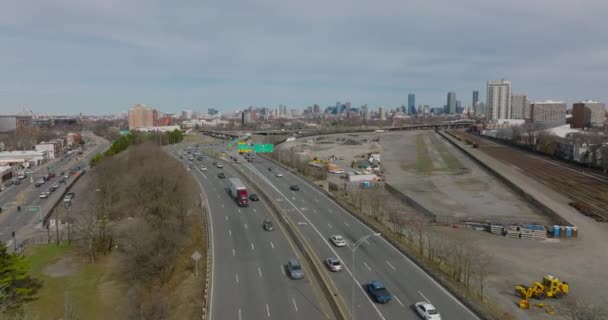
x,y
16,286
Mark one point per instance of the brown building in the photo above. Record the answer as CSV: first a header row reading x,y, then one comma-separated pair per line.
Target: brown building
x,y
549,112
587,114
14,123
141,116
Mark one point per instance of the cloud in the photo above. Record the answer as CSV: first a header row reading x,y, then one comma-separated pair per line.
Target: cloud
x,y
69,56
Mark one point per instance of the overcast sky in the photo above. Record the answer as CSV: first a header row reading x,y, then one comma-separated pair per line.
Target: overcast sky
x,y
97,57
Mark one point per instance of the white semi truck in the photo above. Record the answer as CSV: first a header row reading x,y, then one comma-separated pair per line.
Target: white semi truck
x,y
238,192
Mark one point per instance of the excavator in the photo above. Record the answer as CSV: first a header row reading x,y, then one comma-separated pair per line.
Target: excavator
x,y
551,287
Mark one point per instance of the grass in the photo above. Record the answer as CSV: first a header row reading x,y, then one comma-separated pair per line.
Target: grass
x,y
424,163
452,163
90,290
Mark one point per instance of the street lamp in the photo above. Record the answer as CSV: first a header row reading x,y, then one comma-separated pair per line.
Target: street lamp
x,y
354,248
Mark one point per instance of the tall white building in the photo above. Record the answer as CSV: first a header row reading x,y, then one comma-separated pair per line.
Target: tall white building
x,y
498,100
382,113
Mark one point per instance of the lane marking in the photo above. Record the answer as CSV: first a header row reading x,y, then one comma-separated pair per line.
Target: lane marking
x,y
401,303
239,210
330,226
330,211
226,218
366,242
252,247
314,210
222,205
218,196
295,306
240,314
368,268
259,272
233,252
245,226
271,244
254,210
267,310
230,232
236,275
346,224
390,265
282,269
425,298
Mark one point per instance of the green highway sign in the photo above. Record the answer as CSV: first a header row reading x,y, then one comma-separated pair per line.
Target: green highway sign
x,y
32,209
263,148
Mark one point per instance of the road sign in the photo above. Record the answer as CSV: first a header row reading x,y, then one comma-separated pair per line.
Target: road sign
x,y
32,209
263,148
243,147
196,256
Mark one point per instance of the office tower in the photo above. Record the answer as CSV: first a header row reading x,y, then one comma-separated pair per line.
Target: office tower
x,y
458,107
519,106
451,103
212,111
475,98
587,114
498,100
411,103
548,112
382,114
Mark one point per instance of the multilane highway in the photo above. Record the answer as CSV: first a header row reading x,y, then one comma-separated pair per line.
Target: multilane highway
x,y
249,279
318,217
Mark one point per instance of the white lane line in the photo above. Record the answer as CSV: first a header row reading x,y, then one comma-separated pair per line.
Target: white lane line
x,y
233,252
226,218
295,306
283,269
245,226
330,211
230,233
240,314
423,297
401,303
259,272
239,210
293,198
330,226
346,224
366,242
314,210
271,244
368,268
267,310
236,276
252,247
218,196
254,210
390,265
222,205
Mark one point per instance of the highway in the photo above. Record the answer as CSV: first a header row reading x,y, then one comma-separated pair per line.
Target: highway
x,y
249,279
318,217
27,195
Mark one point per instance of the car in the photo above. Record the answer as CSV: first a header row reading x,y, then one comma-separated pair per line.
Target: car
x,y
52,189
338,240
221,175
214,163
62,180
203,168
18,182
44,195
219,165
378,291
77,168
267,225
29,171
191,166
427,311
67,199
66,176
279,175
254,197
9,183
71,195
294,187
56,186
294,269
62,173
269,169
333,264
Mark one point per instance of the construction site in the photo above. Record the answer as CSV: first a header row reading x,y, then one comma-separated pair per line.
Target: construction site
x,y
536,217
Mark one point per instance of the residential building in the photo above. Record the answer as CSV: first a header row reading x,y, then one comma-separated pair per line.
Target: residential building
x,y
498,100
548,112
587,114
475,98
141,116
14,123
519,107
411,103
450,106
53,148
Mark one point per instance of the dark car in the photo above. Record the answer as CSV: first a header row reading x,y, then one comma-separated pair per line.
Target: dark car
x,y
294,269
221,175
9,183
77,168
18,182
62,173
267,225
378,292
269,169
294,188
254,197
71,194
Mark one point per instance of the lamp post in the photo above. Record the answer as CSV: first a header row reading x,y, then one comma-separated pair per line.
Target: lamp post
x,y
354,248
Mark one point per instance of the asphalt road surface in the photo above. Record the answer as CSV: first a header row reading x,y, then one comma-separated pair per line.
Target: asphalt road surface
x,y
318,217
249,279
27,195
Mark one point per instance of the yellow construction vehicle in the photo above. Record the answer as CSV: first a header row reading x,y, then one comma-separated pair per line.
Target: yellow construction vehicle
x,y
551,287
555,288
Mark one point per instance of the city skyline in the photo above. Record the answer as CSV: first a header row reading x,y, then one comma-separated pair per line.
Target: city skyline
x,y
66,57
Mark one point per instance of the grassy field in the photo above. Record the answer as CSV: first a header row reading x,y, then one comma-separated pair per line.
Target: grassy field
x,y
424,163
69,283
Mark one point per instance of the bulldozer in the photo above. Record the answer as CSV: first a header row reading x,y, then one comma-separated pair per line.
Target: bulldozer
x,y
551,287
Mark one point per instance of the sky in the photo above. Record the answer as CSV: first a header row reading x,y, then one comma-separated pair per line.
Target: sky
x,y
101,57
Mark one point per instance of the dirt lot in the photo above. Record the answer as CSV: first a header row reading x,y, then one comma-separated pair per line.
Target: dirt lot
x,y
442,179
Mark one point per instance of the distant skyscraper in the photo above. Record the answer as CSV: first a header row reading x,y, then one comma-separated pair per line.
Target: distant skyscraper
x,y
451,103
316,109
498,100
475,98
458,107
411,103
212,111
586,114
519,106
187,114
382,113
141,116
551,112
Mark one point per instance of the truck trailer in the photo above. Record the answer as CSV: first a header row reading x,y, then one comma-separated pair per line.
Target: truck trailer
x,y
238,192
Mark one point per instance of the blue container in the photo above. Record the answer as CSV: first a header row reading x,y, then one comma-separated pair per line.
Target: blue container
x,y
556,231
568,232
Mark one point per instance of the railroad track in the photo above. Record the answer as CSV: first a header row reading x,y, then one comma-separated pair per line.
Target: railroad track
x,y
590,194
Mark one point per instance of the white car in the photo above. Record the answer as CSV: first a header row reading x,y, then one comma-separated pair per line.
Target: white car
x,y
219,165
427,311
338,241
203,168
279,174
44,195
333,264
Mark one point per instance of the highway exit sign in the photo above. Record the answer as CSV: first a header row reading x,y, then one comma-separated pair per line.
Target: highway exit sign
x,y
263,148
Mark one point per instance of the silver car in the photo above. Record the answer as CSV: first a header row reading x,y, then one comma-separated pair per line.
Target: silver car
x,y
334,264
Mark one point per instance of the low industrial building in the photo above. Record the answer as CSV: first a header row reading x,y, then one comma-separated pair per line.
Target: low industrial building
x,y
23,158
